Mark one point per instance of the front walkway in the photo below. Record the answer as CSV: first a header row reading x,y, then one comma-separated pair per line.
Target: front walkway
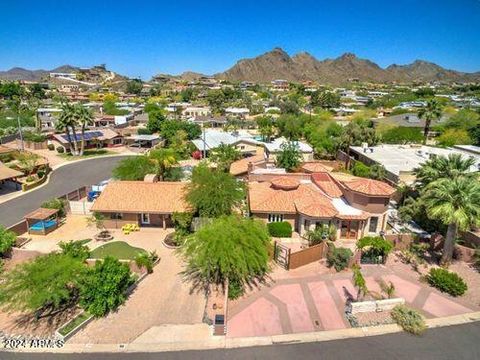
x,y
317,302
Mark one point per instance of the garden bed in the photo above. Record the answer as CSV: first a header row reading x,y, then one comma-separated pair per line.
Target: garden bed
x,y
71,327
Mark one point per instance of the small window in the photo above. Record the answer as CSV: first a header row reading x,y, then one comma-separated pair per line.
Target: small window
x,y
275,217
373,224
116,216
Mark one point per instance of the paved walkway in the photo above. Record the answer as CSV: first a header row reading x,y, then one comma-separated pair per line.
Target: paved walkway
x,y
315,303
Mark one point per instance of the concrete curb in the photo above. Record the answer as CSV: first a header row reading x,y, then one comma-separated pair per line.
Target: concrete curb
x,y
219,342
59,166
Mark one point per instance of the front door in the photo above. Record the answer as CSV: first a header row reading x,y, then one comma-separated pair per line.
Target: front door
x,y
349,229
145,219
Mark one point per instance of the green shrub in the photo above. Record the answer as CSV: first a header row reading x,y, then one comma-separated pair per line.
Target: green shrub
x,y
409,319
360,169
280,229
60,149
7,240
447,281
235,289
338,257
51,147
55,204
75,249
374,247
144,131
34,137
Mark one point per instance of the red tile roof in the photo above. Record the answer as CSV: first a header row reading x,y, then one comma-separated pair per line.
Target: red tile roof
x,y
370,187
327,184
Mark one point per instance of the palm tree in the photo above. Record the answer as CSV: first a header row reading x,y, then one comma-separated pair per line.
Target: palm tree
x,y
85,118
450,167
431,111
164,159
455,202
67,121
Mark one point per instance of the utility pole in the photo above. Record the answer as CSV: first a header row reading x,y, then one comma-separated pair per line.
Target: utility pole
x,y
20,131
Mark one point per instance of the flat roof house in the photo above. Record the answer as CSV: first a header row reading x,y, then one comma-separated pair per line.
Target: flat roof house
x,y
401,160
354,206
140,202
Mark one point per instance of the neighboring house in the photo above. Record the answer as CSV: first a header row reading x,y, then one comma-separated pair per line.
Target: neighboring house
x,y
401,160
241,167
274,147
238,112
209,121
354,206
140,202
113,120
193,111
407,120
93,139
241,139
47,117
247,144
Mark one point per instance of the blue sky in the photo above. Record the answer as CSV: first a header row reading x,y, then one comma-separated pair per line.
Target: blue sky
x,y
143,38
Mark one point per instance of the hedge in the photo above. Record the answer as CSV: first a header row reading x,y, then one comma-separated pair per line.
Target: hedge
x,y
280,229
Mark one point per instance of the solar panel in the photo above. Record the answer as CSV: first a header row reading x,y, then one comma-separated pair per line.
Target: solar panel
x,y
88,135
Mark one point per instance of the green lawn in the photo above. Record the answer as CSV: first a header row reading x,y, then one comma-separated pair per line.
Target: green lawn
x,y
74,323
118,249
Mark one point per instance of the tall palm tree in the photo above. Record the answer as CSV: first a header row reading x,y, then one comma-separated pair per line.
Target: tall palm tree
x,y
431,111
67,122
455,202
164,159
450,167
85,117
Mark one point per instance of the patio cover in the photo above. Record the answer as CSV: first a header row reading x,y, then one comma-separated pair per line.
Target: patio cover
x,y
41,214
7,173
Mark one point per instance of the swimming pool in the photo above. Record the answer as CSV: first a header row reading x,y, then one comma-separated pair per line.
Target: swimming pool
x,y
43,225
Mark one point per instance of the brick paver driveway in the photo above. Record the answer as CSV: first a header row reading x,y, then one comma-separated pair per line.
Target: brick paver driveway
x,y
315,303
162,298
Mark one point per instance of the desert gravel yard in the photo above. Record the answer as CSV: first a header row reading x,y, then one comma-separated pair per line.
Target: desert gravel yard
x,y
162,298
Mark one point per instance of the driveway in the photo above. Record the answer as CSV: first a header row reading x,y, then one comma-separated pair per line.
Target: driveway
x,y
62,180
315,303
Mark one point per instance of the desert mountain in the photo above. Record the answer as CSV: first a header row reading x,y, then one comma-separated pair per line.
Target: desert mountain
x,y
277,64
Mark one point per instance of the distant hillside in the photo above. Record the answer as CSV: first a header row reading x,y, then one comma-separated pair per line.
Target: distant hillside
x,y
277,64
18,73
97,74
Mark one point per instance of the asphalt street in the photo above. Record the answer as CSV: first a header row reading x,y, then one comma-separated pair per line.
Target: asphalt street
x,y
460,342
63,180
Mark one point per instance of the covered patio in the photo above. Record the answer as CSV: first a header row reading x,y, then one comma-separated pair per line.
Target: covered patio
x,y
42,221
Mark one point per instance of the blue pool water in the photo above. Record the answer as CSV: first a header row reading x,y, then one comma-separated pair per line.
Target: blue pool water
x,y
47,224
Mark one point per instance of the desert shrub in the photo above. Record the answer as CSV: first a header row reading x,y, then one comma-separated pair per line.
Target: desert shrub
x,y
60,149
34,136
447,281
409,319
235,289
51,147
338,257
144,260
280,229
